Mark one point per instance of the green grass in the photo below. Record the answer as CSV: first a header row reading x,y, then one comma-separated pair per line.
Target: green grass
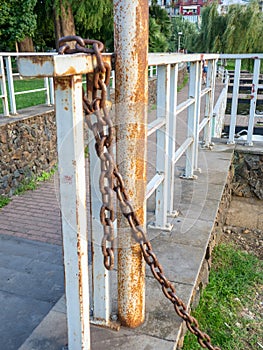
x,y
4,201
30,99
234,281
32,183
181,86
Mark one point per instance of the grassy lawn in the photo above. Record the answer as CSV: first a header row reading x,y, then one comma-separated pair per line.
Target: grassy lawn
x,y
230,309
30,99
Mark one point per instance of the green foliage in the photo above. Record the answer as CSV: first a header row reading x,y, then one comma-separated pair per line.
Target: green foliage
x,y
157,40
233,282
4,201
30,184
94,19
189,34
212,28
17,21
244,29
240,30
44,38
160,28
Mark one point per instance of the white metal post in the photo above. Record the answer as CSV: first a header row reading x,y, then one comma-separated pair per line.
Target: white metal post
x,y
172,137
209,102
11,89
194,85
198,112
70,140
100,275
3,92
253,102
46,85
51,90
234,105
162,152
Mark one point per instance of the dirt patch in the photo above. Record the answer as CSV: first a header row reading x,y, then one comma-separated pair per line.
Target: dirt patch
x,y
249,240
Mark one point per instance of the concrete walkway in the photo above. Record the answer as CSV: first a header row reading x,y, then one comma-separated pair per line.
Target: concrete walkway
x,y
31,271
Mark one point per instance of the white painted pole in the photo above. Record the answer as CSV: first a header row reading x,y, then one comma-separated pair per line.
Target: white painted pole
x,y
70,140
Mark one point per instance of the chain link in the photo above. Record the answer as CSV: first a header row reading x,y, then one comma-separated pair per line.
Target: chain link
x,y
111,181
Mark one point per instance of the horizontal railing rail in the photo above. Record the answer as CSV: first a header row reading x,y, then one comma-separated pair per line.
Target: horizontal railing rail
x,y
8,75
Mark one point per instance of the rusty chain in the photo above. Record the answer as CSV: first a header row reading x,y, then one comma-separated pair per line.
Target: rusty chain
x,y
111,181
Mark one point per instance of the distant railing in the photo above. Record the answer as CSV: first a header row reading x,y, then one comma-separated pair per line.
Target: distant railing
x,y
253,85
198,125
8,74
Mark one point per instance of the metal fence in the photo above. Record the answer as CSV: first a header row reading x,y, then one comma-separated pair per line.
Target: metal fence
x,y
199,129
8,73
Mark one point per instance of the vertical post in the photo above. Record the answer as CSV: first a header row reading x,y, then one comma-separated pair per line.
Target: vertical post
x,y
191,119
162,135
234,102
3,93
198,112
70,140
10,80
172,136
51,90
131,96
46,85
253,102
101,276
209,102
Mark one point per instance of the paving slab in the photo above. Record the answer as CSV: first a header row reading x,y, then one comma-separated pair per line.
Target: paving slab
x,y
31,282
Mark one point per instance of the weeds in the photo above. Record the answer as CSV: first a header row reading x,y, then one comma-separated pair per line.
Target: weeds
x,y
227,309
28,185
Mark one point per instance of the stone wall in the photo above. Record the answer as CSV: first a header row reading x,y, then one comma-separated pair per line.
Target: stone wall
x,y
27,148
248,180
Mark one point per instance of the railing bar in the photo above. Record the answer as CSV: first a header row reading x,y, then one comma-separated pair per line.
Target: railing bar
x,y
202,124
205,91
182,106
29,91
155,125
153,184
180,151
234,102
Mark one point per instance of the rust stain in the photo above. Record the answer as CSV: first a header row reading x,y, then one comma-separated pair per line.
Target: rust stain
x,y
40,60
131,90
64,83
131,305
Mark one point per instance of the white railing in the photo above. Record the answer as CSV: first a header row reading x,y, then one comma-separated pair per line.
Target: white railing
x,y
197,122
253,85
7,76
197,111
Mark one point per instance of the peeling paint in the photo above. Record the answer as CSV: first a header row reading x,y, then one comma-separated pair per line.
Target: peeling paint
x,y
131,47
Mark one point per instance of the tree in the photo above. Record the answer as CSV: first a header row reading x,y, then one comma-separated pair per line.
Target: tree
x,y
188,36
17,24
244,29
44,38
213,26
159,28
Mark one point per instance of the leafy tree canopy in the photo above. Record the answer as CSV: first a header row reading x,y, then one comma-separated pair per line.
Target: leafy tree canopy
x,y
188,37
17,20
